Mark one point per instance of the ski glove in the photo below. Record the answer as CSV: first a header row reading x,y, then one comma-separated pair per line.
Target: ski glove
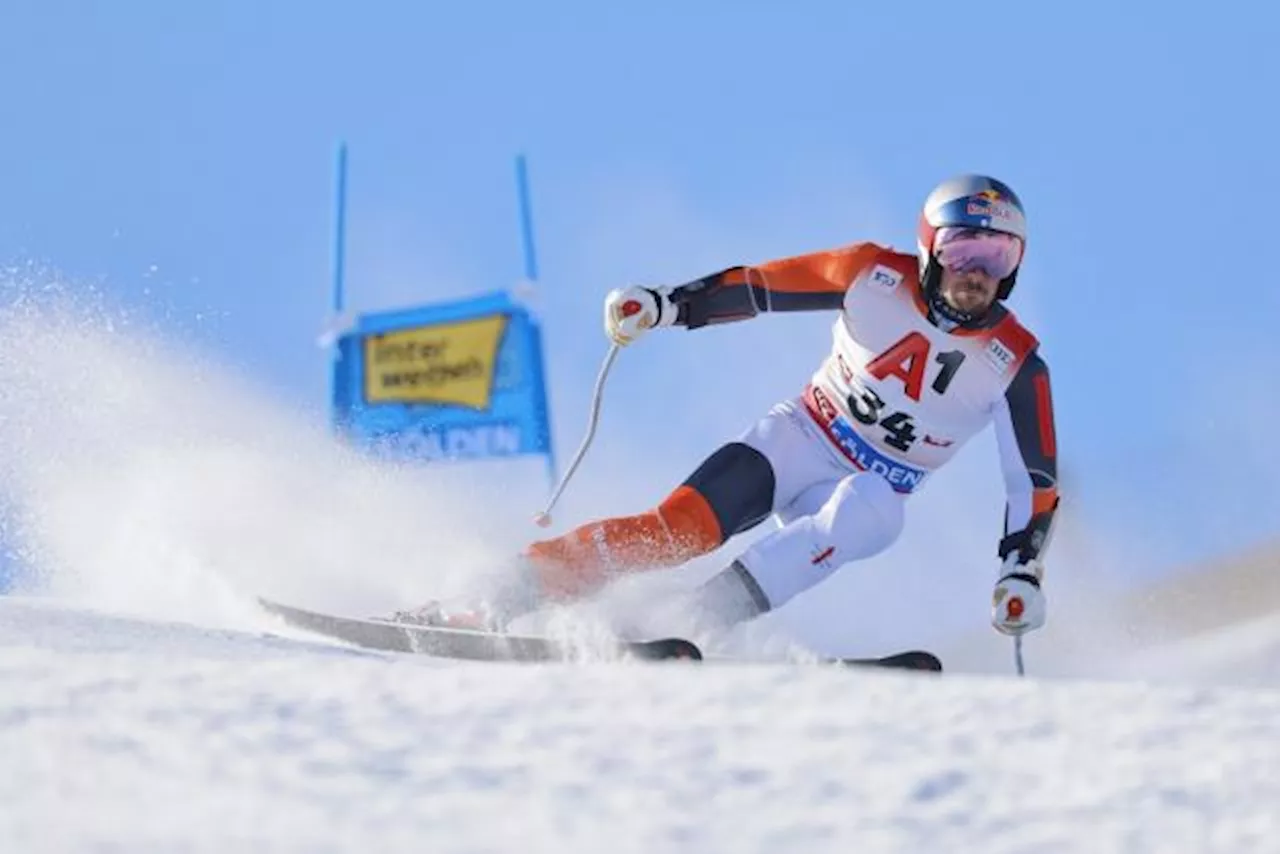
x,y
632,311
1017,604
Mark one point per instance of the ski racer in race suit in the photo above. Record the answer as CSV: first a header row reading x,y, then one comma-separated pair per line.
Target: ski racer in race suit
x,y
924,357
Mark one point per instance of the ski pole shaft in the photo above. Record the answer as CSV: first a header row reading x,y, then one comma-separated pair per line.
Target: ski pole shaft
x,y
1017,655
543,519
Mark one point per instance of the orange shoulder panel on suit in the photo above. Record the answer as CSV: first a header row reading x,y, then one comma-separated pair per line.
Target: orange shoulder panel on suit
x,y
829,271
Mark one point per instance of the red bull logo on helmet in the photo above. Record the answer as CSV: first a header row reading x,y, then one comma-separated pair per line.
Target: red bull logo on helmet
x,y
987,203
993,206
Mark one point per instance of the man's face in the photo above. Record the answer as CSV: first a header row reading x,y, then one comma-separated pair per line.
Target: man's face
x,y
974,262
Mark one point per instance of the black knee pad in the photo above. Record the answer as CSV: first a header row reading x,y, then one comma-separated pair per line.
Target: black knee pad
x,y
738,482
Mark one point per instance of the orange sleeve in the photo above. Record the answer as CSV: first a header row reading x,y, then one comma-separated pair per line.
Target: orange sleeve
x,y
813,282
830,271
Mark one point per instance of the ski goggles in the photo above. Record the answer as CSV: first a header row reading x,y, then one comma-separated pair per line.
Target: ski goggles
x,y
963,250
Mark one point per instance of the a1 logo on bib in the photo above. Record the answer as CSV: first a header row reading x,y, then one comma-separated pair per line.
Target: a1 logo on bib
x,y
1000,356
885,278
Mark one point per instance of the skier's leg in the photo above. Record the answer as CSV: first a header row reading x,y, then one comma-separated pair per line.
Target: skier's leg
x,y
733,490
856,518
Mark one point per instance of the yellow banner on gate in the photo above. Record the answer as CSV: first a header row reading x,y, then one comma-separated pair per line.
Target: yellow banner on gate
x,y
442,363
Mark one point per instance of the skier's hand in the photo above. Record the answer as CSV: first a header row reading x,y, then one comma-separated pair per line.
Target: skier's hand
x,y
1017,604
632,311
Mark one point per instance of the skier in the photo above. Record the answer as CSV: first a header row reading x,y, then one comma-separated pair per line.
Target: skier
x,y
925,356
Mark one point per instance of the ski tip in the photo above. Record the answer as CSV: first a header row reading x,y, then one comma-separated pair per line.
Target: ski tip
x,y
915,659
666,649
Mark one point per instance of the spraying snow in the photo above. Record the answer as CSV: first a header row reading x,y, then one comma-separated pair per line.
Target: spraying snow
x,y
141,477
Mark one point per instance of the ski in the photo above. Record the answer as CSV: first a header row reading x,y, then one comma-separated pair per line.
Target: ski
x,y
915,659
467,644
493,646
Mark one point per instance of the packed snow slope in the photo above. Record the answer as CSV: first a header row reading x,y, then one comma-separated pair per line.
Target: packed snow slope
x,y
149,495
127,735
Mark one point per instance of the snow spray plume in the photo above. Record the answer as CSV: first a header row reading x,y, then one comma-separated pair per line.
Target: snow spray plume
x,y
141,476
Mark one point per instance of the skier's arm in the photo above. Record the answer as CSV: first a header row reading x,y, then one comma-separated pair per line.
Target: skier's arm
x,y
1029,459
812,282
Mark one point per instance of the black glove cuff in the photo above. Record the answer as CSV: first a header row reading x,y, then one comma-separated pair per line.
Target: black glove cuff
x,y
1023,576
657,297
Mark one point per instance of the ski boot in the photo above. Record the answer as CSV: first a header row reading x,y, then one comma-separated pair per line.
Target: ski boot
x,y
441,615
515,593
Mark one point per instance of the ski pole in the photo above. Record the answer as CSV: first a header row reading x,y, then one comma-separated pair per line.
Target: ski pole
x,y
1017,655
543,519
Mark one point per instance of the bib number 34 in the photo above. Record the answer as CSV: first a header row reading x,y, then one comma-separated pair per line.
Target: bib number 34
x,y
867,408
905,360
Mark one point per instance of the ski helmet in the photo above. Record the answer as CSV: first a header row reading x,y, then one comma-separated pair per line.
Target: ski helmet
x,y
968,201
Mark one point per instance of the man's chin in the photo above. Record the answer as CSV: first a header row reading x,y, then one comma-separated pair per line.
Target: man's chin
x,y
977,306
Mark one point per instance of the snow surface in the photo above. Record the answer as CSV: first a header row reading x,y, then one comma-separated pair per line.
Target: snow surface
x,y
146,705
119,734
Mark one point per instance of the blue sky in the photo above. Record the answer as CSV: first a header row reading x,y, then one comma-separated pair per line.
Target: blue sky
x,y
178,157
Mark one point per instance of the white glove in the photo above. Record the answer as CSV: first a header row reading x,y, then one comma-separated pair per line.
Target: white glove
x,y
1017,604
632,311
